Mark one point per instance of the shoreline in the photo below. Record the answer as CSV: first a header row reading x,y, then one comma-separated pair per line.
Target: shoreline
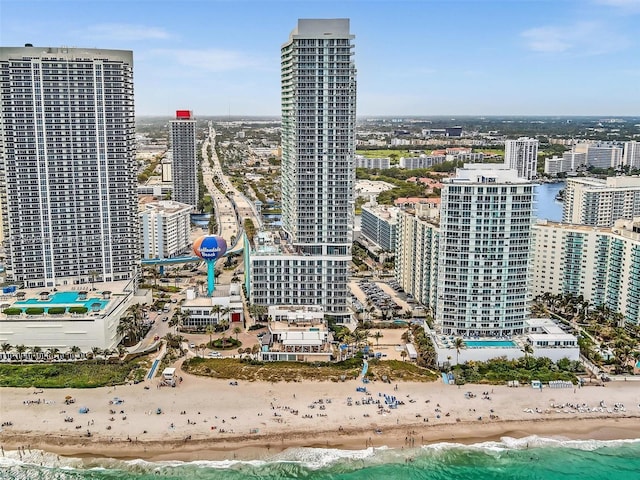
x,y
208,419
243,448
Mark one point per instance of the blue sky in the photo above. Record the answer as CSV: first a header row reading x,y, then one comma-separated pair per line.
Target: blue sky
x,y
414,57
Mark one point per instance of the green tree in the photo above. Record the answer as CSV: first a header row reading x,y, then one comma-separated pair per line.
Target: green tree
x,y
458,344
237,331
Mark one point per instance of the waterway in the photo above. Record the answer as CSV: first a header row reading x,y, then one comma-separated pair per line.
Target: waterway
x,y
547,207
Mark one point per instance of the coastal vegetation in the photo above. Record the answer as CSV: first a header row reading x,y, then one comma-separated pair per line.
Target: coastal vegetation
x,y
250,370
604,337
85,374
499,371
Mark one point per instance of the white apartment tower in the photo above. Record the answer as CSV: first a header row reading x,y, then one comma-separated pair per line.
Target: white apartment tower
x,y
184,169
67,165
631,155
522,155
592,201
485,228
318,80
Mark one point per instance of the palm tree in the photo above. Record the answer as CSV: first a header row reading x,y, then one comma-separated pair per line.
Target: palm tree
x,y
209,331
20,349
52,352
377,336
6,348
237,330
35,351
255,349
122,350
404,354
217,309
173,322
96,351
75,351
458,343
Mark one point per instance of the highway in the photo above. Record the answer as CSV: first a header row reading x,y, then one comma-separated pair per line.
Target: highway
x,y
230,214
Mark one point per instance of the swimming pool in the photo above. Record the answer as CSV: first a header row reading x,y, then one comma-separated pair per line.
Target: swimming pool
x,y
64,299
490,343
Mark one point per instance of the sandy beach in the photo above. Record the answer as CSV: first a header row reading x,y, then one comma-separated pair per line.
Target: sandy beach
x,y
213,419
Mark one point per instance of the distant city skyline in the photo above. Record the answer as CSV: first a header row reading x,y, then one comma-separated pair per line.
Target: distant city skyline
x,y
415,58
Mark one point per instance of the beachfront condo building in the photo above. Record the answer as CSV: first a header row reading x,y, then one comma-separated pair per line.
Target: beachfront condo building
x,y
597,202
484,246
522,155
67,165
602,264
184,168
416,262
318,80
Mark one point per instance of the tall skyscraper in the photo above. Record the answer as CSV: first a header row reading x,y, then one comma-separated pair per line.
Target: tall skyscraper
x,y
485,229
67,165
318,174
522,155
184,169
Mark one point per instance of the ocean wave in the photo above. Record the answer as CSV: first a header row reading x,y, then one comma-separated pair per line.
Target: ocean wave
x,y
532,441
295,460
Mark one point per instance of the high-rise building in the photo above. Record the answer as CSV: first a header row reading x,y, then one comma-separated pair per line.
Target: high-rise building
x,y
592,201
380,225
184,170
600,154
601,264
522,155
67,165
416,262
165,228
631,155
318,152
485,228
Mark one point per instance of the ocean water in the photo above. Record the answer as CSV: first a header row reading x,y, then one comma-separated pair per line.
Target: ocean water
x,y
522,459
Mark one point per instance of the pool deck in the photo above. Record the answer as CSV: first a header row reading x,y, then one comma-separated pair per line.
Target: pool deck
x,y
448,342
33,299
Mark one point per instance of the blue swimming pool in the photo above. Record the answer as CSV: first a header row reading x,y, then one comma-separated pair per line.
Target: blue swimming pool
x,y
490,343
64,299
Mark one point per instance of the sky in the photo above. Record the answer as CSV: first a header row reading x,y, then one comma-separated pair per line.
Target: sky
x,y
413,57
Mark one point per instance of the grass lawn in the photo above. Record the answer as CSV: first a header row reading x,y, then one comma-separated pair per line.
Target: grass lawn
x,y
294,371
86,374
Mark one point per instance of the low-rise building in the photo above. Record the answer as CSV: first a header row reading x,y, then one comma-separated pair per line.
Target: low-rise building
x,y
379,163
225,304
297,333
65,318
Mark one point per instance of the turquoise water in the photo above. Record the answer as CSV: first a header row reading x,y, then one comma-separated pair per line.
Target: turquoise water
x,y
489,343
63,299
530,458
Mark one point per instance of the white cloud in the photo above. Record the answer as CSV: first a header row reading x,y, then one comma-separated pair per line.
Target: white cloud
x,y
208,59
583,38
124,32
